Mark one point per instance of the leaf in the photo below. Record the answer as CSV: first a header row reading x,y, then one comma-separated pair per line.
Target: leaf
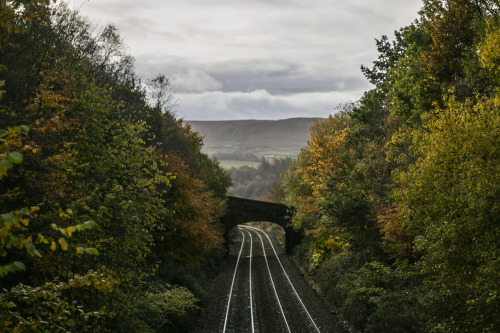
x,y
3,170
64,245
90,224
30,248
6,164
14,241
19,265
15,157
80,250
53,246
8,218
70,230
92,251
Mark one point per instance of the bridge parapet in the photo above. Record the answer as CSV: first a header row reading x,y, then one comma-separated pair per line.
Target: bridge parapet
x,y
241,210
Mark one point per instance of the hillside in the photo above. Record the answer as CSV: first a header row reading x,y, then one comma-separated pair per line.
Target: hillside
x,y
237,139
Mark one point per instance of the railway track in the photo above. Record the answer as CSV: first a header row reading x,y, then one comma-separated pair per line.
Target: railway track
x,y
262,297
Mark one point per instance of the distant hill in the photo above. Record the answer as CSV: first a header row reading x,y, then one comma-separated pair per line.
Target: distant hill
x,y
240,138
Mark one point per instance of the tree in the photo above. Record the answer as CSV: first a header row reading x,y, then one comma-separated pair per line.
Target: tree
x,y
450,205
408,184
91,154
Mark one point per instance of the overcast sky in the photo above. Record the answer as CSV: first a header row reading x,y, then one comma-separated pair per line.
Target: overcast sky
x,y
254,59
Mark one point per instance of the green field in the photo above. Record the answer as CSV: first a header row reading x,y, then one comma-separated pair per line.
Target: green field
x,y
228,164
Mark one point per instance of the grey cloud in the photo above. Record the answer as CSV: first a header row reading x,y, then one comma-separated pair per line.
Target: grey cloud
x,y
246,76
261,58
117,7
194,80
282,85
258,105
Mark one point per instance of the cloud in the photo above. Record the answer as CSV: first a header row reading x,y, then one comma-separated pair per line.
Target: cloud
x,y
261,58
258,104
272,75
194,80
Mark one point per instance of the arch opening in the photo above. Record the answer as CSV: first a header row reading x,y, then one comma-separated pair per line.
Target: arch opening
x,y
241,211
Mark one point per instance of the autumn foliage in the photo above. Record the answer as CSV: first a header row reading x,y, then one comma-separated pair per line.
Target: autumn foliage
x,y
397,194
101,189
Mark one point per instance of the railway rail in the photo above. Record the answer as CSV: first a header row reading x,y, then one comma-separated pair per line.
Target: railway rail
x,y
263,277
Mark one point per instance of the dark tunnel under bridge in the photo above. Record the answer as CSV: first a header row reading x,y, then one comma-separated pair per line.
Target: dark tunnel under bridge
x,y
241,211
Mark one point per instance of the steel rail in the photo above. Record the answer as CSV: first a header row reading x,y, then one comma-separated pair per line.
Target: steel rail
x,y
259,231
273,284
250,280
232,283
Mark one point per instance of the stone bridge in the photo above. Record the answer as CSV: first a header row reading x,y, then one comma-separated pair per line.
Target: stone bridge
x,y
240,211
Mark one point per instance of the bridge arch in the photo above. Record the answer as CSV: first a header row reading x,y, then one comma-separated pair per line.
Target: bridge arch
x,y
241,210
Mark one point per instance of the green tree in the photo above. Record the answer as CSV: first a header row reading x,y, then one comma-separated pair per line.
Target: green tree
x,y
96,150
450,204
408,182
